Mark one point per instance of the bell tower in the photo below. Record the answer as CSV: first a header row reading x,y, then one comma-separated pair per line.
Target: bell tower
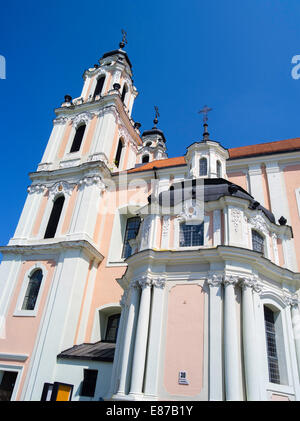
x,y
52,261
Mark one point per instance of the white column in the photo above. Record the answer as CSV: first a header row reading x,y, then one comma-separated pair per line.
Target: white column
x,y
119,345
231,354
256,185
249,342
155,338
217,227
128,339
215,338
296,328
278,196
139,356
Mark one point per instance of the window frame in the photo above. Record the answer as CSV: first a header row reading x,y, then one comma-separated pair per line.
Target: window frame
x,y
15,368
80,124
30,313
112,317
263,237
203,158
196,223
57,230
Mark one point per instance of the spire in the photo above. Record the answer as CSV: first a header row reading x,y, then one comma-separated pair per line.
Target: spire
x,y
204,111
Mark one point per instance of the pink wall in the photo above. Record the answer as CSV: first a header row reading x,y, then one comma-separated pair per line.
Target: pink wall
x,y
292,182
238,178
21,331
184,340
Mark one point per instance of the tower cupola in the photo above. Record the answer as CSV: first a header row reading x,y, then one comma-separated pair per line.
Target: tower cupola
x,y
207,158
154,143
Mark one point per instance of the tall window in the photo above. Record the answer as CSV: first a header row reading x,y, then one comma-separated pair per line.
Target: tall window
x,y
191,235
112,328
99,86
257,242
54,217
272,351
132,228
203,166
78,138
7,384
219,169
32,291
119,152
124,92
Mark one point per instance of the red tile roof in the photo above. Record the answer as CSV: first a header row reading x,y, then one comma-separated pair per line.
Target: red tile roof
x,y
288,145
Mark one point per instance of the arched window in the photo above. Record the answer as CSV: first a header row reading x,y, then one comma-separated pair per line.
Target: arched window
x,y
54,217
119,153
112,328
203,166
124,92
145,159
257,242
78,138
132,228
32,290
191,235
99,86
219,169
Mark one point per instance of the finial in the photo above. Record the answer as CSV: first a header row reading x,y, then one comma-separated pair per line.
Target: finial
x,y
124,39
155,121
204,111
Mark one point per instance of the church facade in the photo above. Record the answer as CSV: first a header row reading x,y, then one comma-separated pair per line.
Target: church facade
x,y
134,276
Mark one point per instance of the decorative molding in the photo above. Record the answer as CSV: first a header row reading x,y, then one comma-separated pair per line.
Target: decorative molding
x,y
60,187
290,299
236,218
258,222
36,188
88,181
82,117
61,120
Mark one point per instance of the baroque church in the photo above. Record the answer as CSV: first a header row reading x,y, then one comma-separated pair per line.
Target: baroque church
x,y
134,276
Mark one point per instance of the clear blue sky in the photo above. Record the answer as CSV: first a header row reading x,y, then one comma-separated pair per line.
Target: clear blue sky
x,y
233,55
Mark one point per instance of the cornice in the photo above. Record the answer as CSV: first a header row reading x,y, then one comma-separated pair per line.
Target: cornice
x,y
53,247
207,255
85,169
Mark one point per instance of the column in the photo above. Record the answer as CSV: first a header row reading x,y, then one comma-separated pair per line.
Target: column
x,y
128,340
249,342
155,339
140,349
296,327
119,343
231,354
215,338
256,185
217,227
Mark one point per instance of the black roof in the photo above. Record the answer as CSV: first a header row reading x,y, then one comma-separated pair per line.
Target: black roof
x,y
214,188
99,351
154,131
114,52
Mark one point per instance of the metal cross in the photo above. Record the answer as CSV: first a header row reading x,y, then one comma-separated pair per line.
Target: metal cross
x,y
204,111
155,121
124,39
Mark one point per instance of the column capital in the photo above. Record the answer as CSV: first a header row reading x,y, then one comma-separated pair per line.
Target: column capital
x,y
214,279
144,282
291,300
134,284
159,283
230,280
248,282
124,299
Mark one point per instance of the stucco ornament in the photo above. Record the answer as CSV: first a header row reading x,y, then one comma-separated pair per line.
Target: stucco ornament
x,y
236,218
61,187
82,118
258,222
